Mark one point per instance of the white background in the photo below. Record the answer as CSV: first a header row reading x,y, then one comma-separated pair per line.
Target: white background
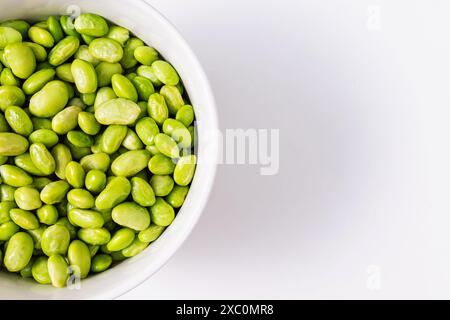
x,y
360,207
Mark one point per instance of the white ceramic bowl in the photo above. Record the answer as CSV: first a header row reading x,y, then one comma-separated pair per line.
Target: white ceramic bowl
x,y
153,28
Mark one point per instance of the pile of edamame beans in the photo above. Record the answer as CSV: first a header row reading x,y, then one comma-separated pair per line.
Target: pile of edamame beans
x,y
96,140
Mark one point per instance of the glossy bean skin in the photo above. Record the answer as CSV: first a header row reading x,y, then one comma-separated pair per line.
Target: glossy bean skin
x,y
75,174
167,146
165,72
130,163
27,198
99,161
14,176
162,185
175,129
128,60
117,112
66,120
184,170
147,129
11,96
91,24
79,256
95,181
18,251
177,196
173,98
20,59
124,88
24,219
101,263
9,35
45,136
161,213
135,248
12,144
5,207
58,270
142,192
84,76
131,215
115,192
55,28
65,49
42,158
151,233
105,49
47,214
132,141
185,115
39,270
55,240
88,219
19,121
80,198
7,230
98,236
146,55
112,138
159,164
88,123
38,80
63,156
54,192
50,100
121,239
157,108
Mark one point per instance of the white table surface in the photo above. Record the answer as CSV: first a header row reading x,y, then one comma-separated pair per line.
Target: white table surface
x,y
360,91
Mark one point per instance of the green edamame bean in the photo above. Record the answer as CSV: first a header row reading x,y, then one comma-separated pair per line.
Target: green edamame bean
x,y
132,141
39,52
19,25
84,76
7,192
121,239
14,176
38,80
80,198
157,108
135,248
149,73
40,270
166,145
177,196
26,272
144,87
24,219
58,271
104,94
165,72
36,234
9,35
80,139
119,34
20,59
101,262
18,252
124,88
41,36
162,185
112,138
131,215
40,182
173,98
47,137
68,27
64,72
7,78
50,100
4,126
5,207
41,123
19,121
54,192
66,120
105,49
84,54
64,221
93,250
99,161
184,170
146,55
55,28
116,191
63,50
88,219
130,163
128,61
27,198
175,129
117,111
142,192
42,158
98,236
80,257
185,115
95,181
147,129
105,71
75,174
87,123
77,152
47,214
3,160
55,240
91,24
7,230
63,156
151,233
161,213
161,165
11,96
